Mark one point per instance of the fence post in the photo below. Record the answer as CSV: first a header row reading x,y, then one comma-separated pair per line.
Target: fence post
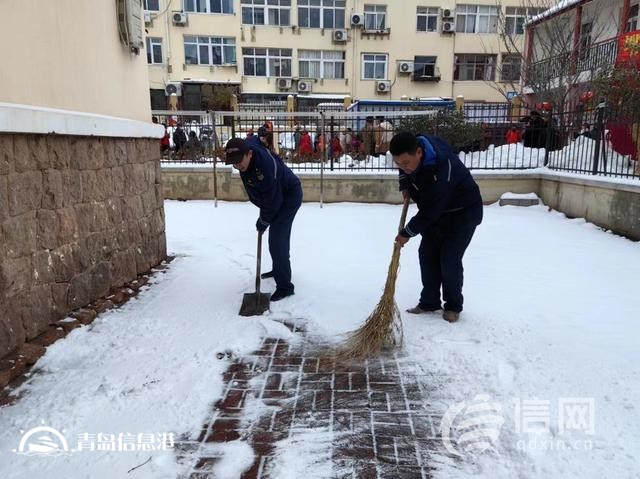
x,y
328,143
460,103
600,128
547,139
322,162
234,107
291,107
215,160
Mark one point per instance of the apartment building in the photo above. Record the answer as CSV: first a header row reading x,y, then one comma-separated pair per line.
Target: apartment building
x,y
328,49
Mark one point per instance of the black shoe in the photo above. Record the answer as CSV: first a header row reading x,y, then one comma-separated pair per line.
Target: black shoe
x,y
421,310
280,294
266,275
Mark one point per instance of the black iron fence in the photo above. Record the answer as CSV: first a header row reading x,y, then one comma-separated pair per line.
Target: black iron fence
x,y
600,141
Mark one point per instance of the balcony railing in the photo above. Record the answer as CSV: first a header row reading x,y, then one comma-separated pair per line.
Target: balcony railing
x,y
599,55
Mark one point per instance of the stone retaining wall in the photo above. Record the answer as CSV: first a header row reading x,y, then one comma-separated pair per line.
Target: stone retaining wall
x,y
78,216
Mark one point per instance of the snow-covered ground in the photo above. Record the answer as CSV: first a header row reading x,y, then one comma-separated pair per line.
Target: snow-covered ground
x,y
551,314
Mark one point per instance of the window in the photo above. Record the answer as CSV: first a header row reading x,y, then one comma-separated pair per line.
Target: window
x,y
374,66
474,67
271,62
320,64
375,17
585,40
209,50
154,50
476,19
424,67
632,21
321,13
516,16
511,68
428,19
266,12
208,6
152,5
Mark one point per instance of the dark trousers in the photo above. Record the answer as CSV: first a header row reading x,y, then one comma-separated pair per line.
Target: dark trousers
x,y
280,239
441,251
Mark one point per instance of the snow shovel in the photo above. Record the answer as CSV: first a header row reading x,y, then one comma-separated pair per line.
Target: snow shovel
x,y
254,304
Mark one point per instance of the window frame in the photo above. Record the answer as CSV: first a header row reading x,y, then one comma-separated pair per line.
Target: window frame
x,y
375,61
151,42
210,45
268,56
379,14
266,12
518,18
208,10
475,12
145,6
433,63
322,62
506,59
491,63
633,23
427,16
323,6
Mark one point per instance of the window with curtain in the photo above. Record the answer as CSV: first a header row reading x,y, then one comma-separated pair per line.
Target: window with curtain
x,y
476,19
266,12
209,50
272,62
321,13
374,66
321,64
208,6
154,50
469,67
428,19
375,17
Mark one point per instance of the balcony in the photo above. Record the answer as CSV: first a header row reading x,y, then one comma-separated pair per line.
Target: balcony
x,y
597,56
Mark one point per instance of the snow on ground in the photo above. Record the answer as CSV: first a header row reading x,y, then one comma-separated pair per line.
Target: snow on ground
x,y
551,312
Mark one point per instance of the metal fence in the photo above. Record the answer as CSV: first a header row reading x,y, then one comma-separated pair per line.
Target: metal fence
x,y
489,136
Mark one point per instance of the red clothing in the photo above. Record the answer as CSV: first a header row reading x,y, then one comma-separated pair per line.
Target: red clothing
x,y
305,144
513,136
164,141
621,138
336,147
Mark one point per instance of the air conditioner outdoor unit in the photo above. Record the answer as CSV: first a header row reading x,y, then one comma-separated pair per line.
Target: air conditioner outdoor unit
x,y
357,19
383,86
448,27
179,18
405,67
448,13
173,88
340,35
304,86
147,18
284,83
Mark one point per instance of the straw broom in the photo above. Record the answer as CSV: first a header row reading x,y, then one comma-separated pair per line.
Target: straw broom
x,y
383,327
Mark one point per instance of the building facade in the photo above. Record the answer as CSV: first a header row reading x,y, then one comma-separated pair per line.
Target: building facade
x,y
367,49
572,43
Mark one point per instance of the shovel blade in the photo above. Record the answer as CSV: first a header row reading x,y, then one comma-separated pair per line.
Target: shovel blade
x,y
254,304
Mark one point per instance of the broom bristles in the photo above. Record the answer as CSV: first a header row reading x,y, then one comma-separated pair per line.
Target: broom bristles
x,y
383,327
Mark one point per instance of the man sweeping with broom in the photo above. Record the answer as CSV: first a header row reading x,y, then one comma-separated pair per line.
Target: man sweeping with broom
x,y
449,210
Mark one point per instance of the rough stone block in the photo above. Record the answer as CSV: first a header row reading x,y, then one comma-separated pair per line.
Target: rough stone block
x,y
19,234
31,352
66,262
117,174
4,198
11,330
93,283
48,229
67,226
25,192
90,186
122,152
60,297
6,153
25,158
110,157
72,187
59,153
53,190
38,310
79,152
43,267
132,208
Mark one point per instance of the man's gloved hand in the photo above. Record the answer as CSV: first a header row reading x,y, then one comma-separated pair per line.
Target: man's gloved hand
x,y
261,226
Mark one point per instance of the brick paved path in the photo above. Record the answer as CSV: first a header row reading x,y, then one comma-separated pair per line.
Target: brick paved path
x,y
375,413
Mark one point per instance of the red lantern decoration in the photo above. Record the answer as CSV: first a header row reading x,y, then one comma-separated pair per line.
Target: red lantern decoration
x,y
546,106
586,97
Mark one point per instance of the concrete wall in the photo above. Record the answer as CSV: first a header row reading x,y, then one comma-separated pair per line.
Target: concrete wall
x,y
615,206
78,216
67,54
403,43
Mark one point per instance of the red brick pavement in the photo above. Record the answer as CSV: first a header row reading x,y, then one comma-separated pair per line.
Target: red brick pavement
x,y
377,412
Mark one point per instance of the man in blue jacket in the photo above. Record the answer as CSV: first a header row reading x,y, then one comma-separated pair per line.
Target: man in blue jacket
x,y
449,210
273,188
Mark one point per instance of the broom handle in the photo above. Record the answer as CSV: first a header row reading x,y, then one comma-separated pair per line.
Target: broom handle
x,y
259,261
403,217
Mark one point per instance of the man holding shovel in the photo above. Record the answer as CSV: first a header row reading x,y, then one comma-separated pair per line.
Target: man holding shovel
x,y
273,188
449,210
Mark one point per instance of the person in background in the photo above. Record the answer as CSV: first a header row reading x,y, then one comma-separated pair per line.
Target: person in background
x,y
336,148
370,137
193,147
297,134
165,143
306,147
386,133
513,135
179,138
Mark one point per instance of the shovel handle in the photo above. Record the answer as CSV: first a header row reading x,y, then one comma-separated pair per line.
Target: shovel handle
x,y
259,262
403,217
